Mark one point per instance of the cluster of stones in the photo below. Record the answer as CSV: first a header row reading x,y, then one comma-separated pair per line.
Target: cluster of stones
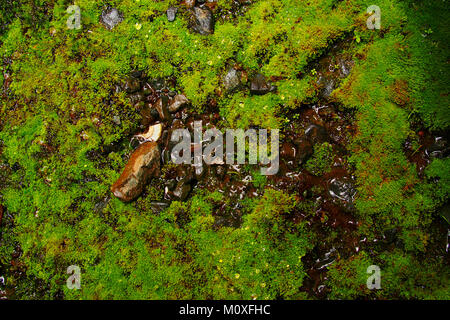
x,y
156,105
202,19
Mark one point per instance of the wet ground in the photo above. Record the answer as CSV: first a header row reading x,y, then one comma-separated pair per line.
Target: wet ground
x,y
329,195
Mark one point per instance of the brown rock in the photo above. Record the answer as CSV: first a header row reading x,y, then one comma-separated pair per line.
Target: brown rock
x,y
182,191
304,150
131,85
178,101
316,134
189,3
143,164
260,85
161,107
203,20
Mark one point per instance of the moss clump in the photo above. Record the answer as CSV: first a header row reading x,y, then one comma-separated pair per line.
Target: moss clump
x,y
322,159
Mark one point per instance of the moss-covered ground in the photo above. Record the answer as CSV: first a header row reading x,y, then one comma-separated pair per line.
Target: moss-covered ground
x,y
61,150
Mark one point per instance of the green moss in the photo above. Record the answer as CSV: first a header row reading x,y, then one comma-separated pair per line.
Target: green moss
x,y
193,261
322,159
348,277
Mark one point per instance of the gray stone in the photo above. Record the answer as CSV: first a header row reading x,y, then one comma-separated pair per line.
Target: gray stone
x,y
111,17
232,79
328,87
171,13
203,21
439,149
158,207
99,206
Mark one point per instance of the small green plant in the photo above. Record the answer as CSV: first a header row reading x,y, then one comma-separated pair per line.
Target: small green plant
x,y
322,159
259,180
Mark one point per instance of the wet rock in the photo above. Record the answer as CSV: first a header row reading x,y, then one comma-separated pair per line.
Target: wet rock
x,y
158,84
343,190
99,206
152,134
259,85
316,134
162,108
345,68
171,13
344,71
187,172
131,85
147,89
149,115
158,207
439,149
328,87
153,111
232,79
171,184
304,150
177,102
111,17
182,191
328,258
143,164
203,21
